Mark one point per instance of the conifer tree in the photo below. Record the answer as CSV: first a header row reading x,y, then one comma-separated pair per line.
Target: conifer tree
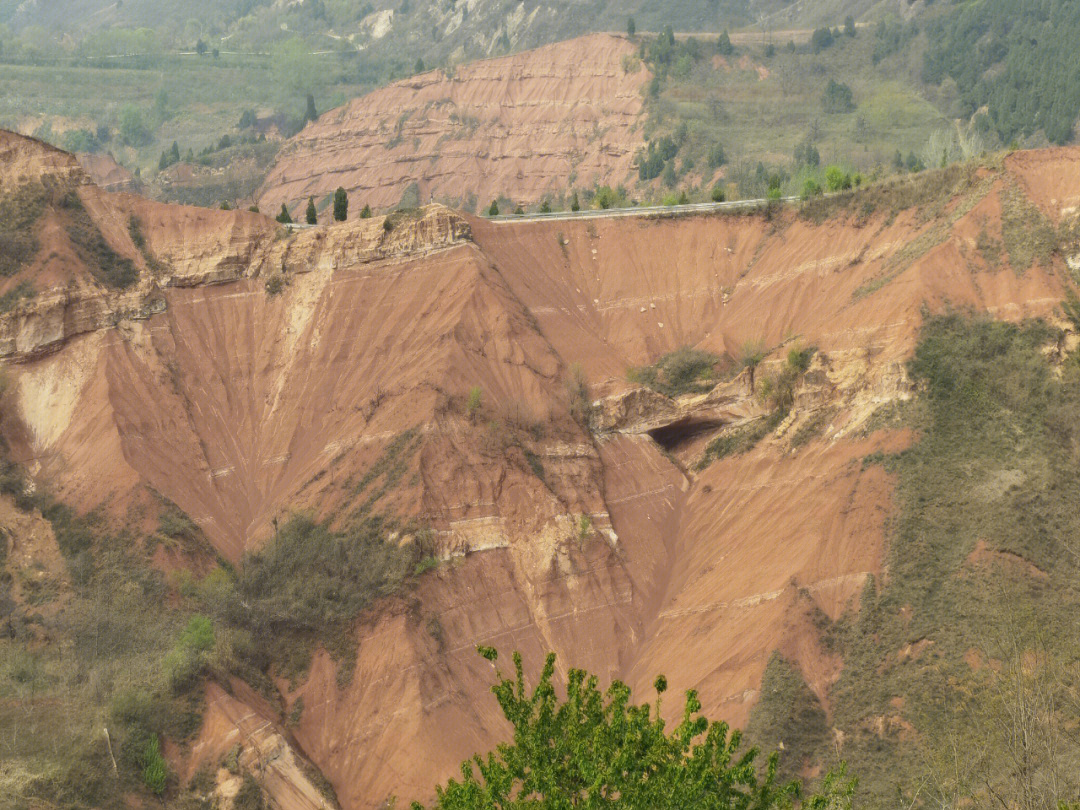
x,y
341,205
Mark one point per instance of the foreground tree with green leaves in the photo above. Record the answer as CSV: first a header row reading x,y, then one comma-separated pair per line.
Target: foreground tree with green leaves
x,y
595,749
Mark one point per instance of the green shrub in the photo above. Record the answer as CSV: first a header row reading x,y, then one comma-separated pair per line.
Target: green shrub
x,y
308,584
836,179
185,663
426,564
297,712
788,715
740,440
105,264
19,213
250,796
1028,235
584,528
837,98
811,188
581,751
683,371
155,772
275,284
23,291
231,760
473,401
799,359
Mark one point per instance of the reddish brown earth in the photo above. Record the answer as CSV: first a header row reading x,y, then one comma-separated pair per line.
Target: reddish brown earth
x,y
518,125
240,406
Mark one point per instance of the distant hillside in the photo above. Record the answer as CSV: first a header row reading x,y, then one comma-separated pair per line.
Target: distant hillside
x,y
527,126
403,30
918,84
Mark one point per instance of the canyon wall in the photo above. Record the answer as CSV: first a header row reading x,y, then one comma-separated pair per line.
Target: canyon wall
x,y
241,399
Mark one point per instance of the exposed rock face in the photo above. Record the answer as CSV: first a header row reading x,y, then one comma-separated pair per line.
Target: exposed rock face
x,y
240,722
181,247
240,405
517,125
106,173
28,160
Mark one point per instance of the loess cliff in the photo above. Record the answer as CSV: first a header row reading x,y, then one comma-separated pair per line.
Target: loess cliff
x,y
517,125
248,373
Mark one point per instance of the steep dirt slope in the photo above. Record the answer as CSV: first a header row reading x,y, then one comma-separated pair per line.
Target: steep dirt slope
x,y
722,567
511,125
239,405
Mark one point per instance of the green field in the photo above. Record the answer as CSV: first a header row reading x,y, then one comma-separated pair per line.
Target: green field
x,y
188,99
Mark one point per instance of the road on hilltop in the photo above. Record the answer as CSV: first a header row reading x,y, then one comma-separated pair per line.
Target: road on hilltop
x,y
642,211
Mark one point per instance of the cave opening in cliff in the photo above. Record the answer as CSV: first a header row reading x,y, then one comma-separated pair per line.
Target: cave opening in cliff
x,y
673,436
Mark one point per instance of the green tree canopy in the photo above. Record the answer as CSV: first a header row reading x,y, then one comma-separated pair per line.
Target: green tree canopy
x,y
821,39
341,204
595,749
283,216
133,130
312,215
837,98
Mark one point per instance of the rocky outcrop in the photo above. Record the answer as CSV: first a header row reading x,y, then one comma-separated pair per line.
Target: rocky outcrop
x,y
525,126
363,241
181,247
28,160
241,734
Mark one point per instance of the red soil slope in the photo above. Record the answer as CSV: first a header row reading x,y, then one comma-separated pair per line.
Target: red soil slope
x,y
517,125
239,406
